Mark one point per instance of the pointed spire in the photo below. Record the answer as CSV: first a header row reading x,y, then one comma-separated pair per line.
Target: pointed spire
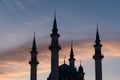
x,y
54,30
98,57
97,35
72,59
33,62
54,48
34,43
71,52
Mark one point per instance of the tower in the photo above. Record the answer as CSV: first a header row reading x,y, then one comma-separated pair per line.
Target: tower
x,y
54,48
98,57
72,59
33,62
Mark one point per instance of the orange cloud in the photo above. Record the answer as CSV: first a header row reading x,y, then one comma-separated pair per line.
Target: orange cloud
x,y
14,62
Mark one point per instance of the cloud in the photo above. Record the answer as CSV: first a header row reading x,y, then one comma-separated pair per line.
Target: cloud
x,y
84,49
111,48
15,62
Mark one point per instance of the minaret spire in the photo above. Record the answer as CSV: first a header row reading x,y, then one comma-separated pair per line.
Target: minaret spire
x,y
98,57
97,35
33,62
71,52
55,30
34,43
54,48
72,59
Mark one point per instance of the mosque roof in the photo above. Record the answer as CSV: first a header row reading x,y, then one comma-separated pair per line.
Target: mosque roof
x,y
67,71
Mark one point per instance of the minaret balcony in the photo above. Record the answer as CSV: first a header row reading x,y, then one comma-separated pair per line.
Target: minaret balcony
x,y
33,63
96,57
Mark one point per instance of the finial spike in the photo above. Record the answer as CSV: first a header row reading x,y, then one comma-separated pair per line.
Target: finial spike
x,y
80,62
55,13
34,35
71,44
97,25
64,59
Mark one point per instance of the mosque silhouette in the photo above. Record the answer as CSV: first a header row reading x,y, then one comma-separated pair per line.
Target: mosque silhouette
x,y
65,71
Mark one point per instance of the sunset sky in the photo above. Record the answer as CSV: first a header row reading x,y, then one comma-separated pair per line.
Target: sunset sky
x,y
76,20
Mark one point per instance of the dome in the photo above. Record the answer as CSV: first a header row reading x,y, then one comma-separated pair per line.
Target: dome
x,y
66,71
80,69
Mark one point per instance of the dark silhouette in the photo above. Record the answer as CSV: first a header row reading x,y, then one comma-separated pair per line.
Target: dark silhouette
x,y
65,71
98,57
54,48
34,62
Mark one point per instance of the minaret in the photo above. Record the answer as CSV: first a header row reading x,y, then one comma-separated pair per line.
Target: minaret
x,y
72,59
33,62
54,48
98,57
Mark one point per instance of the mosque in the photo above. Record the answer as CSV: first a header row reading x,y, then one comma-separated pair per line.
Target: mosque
x,y
65,71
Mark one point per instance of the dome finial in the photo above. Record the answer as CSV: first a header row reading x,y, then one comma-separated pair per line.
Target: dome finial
x,y
80,62
64,59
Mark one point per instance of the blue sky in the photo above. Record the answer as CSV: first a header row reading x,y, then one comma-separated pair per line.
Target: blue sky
x,y
76,20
